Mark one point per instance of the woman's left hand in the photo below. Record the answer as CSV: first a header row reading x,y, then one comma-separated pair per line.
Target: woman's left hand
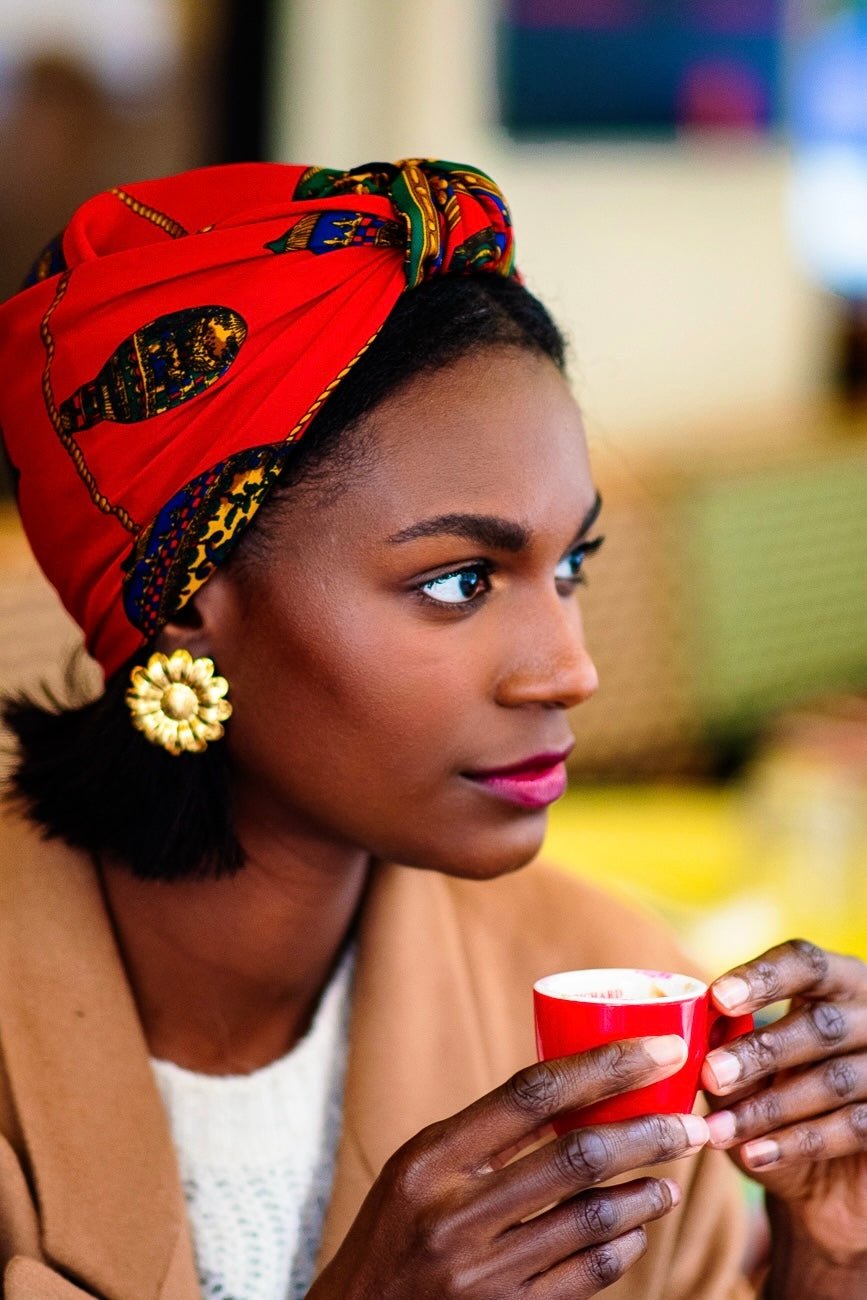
x,y
795,1093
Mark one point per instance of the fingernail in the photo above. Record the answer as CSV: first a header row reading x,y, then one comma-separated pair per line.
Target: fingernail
x,y
722,1125
731,992
696,1129
667,1050
673,1191
724,1067
764,1152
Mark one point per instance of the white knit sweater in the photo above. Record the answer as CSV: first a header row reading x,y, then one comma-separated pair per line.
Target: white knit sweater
x,y
256,1155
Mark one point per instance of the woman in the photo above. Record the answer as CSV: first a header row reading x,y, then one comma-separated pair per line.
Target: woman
x,y
310,427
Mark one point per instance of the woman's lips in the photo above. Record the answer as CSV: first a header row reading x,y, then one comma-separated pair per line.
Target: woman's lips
x,y
534,783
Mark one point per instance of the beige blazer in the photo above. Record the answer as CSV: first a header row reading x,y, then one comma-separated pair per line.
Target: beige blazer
x,y
90,1200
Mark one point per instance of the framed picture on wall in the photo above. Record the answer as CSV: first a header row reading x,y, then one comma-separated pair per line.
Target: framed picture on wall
x,y
640,67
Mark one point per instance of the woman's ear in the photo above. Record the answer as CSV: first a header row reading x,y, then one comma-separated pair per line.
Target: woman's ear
x,y
204,622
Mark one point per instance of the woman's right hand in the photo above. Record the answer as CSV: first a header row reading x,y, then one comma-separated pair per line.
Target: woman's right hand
x,y
447,1216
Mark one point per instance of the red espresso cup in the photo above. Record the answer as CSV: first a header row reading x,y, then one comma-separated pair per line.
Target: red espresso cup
x,y
581,1009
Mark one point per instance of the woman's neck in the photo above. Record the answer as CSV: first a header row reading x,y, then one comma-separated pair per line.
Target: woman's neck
x,y
226,973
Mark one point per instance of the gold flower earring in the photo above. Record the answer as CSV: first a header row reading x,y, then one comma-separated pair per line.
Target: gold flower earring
x,y
177,702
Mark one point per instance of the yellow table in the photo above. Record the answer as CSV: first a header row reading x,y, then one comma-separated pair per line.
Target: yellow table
x,y
730,873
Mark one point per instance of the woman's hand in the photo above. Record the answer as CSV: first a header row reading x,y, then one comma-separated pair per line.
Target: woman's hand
x,y
445,1218
795,1116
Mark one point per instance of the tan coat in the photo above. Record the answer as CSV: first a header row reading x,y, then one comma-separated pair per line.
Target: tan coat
x,y
90,1201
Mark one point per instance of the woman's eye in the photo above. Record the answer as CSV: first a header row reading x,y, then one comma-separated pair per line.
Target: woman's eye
x,y
457,588
570,567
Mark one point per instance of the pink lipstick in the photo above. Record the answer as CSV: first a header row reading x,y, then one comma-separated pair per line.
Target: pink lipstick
x,y
533,783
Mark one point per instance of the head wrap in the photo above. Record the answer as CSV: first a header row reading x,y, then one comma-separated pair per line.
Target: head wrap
x,y
180,335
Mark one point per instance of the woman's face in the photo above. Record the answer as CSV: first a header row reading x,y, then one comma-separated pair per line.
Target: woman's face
x,y
417,628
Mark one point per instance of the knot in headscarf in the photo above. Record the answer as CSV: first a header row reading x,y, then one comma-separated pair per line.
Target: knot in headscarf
x,y
180,335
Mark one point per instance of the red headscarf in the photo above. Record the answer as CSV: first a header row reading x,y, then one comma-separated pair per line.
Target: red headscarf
x,y
180,334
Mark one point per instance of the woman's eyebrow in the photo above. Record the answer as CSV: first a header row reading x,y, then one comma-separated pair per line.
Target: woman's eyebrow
x,y
486,530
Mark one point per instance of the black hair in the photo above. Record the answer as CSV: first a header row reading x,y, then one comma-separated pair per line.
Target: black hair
x,y
83,773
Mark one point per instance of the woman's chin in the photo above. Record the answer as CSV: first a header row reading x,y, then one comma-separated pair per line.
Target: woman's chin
x,y
486,855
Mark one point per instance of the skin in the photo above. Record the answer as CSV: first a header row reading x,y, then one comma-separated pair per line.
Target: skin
x,y
790,1109
361,699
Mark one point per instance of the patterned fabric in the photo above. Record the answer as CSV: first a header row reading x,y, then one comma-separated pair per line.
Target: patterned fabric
x,y
170,347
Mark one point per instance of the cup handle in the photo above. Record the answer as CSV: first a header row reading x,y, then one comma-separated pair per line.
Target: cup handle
x,y
722,1028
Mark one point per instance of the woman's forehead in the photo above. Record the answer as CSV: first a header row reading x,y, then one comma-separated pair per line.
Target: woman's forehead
x,y
498,433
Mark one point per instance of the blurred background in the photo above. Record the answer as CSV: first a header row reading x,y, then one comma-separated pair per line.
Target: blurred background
x,y
689,183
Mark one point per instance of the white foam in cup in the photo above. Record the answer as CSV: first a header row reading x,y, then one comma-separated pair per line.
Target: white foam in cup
x,y
620,984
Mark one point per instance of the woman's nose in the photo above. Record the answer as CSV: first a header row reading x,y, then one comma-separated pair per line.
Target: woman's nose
x,y
549,662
